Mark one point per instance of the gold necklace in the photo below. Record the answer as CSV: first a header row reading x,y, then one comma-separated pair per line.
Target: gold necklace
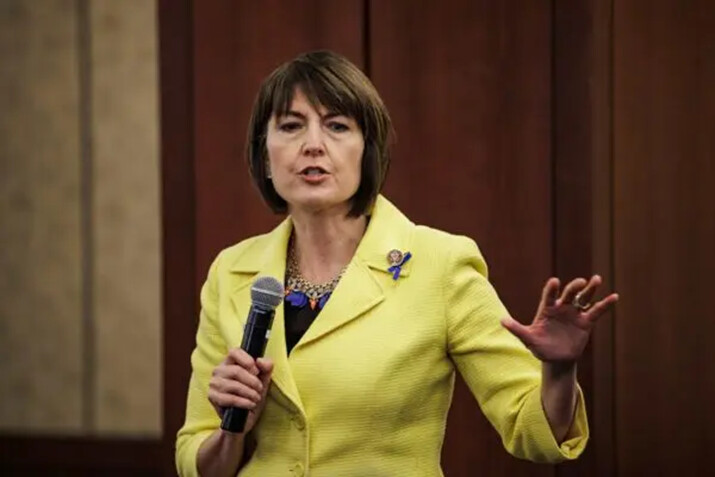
x,y
296,283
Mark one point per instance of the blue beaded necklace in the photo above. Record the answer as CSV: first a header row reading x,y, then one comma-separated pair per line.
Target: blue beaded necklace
x,y
301,292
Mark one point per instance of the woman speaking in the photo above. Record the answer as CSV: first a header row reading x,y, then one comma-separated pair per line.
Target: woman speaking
x,y
378,312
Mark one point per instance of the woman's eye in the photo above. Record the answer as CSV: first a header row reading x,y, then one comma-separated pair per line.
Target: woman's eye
x,y
289,126
337,126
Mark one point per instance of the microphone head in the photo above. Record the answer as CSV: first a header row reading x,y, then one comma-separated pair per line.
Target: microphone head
x,y
267,293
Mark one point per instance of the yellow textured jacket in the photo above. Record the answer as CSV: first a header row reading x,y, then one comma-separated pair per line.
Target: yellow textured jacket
x,y
366,390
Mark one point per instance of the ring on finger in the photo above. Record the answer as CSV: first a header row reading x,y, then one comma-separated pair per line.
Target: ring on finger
x,y
579,304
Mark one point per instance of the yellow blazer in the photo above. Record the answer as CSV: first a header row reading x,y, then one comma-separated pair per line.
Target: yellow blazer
x,y
366,390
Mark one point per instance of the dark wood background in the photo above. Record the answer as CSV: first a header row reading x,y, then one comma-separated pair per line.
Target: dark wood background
x,y
566,137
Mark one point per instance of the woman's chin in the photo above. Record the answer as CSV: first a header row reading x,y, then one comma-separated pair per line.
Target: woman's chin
x,y
318,203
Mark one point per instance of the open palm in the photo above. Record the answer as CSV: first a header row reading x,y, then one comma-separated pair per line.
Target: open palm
x,y
562,326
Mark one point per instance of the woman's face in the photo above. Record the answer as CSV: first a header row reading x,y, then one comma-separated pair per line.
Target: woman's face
x,y
314,156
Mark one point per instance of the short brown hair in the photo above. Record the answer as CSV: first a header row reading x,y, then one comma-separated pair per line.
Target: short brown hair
x,y
332,81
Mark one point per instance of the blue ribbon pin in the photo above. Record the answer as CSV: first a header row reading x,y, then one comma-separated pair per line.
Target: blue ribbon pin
x,y
396,269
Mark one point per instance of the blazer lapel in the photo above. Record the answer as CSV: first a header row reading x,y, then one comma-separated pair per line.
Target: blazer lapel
x,y
356,293
267,257
359,290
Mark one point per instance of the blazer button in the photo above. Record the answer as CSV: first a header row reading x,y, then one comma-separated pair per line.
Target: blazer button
x,y
298,469
298,422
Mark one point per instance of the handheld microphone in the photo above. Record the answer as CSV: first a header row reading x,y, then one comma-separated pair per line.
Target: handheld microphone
x,y
266,294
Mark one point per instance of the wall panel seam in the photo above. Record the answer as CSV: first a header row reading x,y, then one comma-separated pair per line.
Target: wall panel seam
x,y
88,352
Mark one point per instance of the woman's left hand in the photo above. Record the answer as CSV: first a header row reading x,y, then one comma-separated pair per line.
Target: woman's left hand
x,y
562,324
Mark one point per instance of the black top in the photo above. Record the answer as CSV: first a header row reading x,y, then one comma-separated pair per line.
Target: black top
x,y
297,322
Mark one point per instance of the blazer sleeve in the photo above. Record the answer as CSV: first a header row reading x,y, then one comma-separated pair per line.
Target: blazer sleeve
x,y
501,372
201,419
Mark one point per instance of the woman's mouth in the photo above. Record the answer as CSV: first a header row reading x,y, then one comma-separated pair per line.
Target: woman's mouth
x,y
313,174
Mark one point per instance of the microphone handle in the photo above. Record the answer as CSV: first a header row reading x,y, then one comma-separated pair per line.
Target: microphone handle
x,y
255,337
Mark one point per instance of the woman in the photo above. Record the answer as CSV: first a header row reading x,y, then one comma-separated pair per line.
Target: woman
x,y
359,368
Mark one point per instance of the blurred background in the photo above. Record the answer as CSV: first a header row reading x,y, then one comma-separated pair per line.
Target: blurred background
x,y
566,137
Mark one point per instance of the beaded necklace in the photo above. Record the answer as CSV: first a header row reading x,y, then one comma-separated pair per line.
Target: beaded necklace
x,y
300,291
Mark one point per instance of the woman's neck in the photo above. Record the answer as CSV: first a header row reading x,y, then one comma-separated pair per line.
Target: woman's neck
x,y
325,242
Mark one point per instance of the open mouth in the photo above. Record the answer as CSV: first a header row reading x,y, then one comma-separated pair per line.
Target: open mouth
x,y
313,171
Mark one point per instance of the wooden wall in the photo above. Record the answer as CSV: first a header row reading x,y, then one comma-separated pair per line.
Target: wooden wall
x,y
565,137
664,235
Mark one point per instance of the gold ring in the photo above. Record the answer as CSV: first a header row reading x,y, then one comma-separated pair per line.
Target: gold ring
x,y
577,303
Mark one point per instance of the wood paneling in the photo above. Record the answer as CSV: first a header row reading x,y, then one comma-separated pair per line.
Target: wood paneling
x,y
582,189
468,86
664,231
180,290
600,459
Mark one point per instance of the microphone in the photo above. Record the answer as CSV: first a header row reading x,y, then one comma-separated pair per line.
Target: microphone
x,y
266,294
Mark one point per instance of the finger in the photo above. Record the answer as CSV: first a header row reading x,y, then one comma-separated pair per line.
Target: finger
x,y
265,365
266,379
227,386
239,374
586,295
517,329
601,307
224,400
550,292
243,359
571,290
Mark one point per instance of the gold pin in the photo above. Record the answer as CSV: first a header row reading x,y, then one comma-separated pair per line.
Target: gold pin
x,y
395,257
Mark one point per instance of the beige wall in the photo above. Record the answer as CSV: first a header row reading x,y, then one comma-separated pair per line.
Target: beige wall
x,y
79,217
126,215
40,223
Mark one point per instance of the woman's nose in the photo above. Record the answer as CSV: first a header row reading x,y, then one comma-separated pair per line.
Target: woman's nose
x,y
313,145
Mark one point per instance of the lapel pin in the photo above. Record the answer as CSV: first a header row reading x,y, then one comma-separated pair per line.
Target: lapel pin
x,y
397,259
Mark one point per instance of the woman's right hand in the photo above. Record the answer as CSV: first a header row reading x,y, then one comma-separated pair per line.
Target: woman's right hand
x,y
240,381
